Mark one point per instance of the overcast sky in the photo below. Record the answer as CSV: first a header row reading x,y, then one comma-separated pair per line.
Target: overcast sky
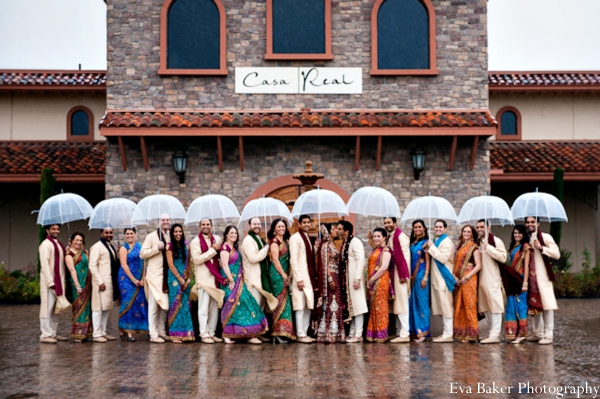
x,y
523,34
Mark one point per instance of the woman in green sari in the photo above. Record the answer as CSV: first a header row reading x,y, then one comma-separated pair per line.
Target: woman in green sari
x,y
81,285
278,235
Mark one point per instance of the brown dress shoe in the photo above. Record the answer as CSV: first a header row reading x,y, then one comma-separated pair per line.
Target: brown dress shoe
x,y
207,340
109,338
59,338
216,339
100,339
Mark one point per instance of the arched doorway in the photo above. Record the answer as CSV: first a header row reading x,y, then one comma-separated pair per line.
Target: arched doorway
x,y
288,189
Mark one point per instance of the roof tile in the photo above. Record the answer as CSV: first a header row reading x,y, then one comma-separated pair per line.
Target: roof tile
x,y
52,78
543,79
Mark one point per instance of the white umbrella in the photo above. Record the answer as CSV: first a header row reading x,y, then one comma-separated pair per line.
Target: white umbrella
x,y
116,213
153,206
429,208
546,207
373,201
212,206
64,208
267,209
320,203
494,210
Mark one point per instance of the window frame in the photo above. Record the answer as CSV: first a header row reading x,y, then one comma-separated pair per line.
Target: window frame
x,y
163,70
327,56
431,71
90,136
499,135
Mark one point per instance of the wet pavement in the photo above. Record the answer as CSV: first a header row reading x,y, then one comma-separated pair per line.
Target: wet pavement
x,y
140,369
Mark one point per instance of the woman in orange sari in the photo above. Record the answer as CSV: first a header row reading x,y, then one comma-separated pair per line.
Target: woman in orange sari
x,y
378,288
466,267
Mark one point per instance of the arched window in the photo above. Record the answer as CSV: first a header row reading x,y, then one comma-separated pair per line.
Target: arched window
x,y
509,124
80,124
299,30
403,38
192,38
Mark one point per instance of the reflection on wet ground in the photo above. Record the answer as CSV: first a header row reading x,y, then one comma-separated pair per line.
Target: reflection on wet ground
x,y
141,369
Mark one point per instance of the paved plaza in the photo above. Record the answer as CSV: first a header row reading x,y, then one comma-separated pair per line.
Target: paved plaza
x,y
140,369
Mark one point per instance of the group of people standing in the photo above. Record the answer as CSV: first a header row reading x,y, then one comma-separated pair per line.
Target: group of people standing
x,y
296,289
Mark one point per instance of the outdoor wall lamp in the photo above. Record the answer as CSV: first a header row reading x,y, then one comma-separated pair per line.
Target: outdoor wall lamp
x,y
180,164
418,159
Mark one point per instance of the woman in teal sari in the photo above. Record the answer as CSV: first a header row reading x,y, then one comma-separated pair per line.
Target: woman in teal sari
x,y
418,301
133,313
179,317
279,278
81,285
516,305
241,315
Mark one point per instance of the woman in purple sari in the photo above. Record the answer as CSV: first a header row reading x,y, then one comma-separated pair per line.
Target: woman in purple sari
x,y
241,315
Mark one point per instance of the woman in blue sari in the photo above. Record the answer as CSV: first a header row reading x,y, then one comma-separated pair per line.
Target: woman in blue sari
x,y
179,317
241,315
516,305
133,313
418,301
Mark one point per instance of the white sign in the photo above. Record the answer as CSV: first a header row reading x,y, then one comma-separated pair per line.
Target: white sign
x,y
311,80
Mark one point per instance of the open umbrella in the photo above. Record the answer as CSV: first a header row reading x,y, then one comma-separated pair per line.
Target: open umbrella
x,y
494,210
153,206
429,208
212,206
267,209
546,207
373,201
320,203
64,208
116,213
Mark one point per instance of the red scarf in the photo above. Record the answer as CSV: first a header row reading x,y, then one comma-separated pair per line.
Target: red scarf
x,y
211,264
399,260
58,288
310,260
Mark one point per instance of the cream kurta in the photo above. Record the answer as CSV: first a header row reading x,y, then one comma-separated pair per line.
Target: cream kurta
x,y
46,251
251,258
442,301
401,291
154,268
544,284
299,265
101,274
355,265
204,278
491,291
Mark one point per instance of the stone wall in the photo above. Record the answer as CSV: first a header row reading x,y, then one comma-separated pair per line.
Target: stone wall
x,y
133,60
269,158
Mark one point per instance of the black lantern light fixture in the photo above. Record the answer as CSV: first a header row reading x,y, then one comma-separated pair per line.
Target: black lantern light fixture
x,y
180,164
418,159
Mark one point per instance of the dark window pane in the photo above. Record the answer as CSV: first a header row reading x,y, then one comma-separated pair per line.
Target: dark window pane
x,y
298,27
80,124
402,35
193,36
509,123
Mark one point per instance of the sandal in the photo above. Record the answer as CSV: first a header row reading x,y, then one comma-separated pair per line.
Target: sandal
x,y
123,336
130,339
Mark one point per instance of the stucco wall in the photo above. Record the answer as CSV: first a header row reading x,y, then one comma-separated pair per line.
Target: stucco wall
x,y
43,115
133,61
552,116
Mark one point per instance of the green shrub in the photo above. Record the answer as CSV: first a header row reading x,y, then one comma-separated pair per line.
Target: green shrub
x,y
19,286
583,284
563,264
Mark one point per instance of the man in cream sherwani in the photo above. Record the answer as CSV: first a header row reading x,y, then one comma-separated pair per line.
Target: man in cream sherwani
x,y
303,297
353,256
48,283
442,302
398,240
254,251
543,246
206,262
100,266
158,301
491,295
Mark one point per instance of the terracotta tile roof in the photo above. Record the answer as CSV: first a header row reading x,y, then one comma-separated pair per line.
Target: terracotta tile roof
x,y
297,119
545,80
64,157
544,157
52,79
